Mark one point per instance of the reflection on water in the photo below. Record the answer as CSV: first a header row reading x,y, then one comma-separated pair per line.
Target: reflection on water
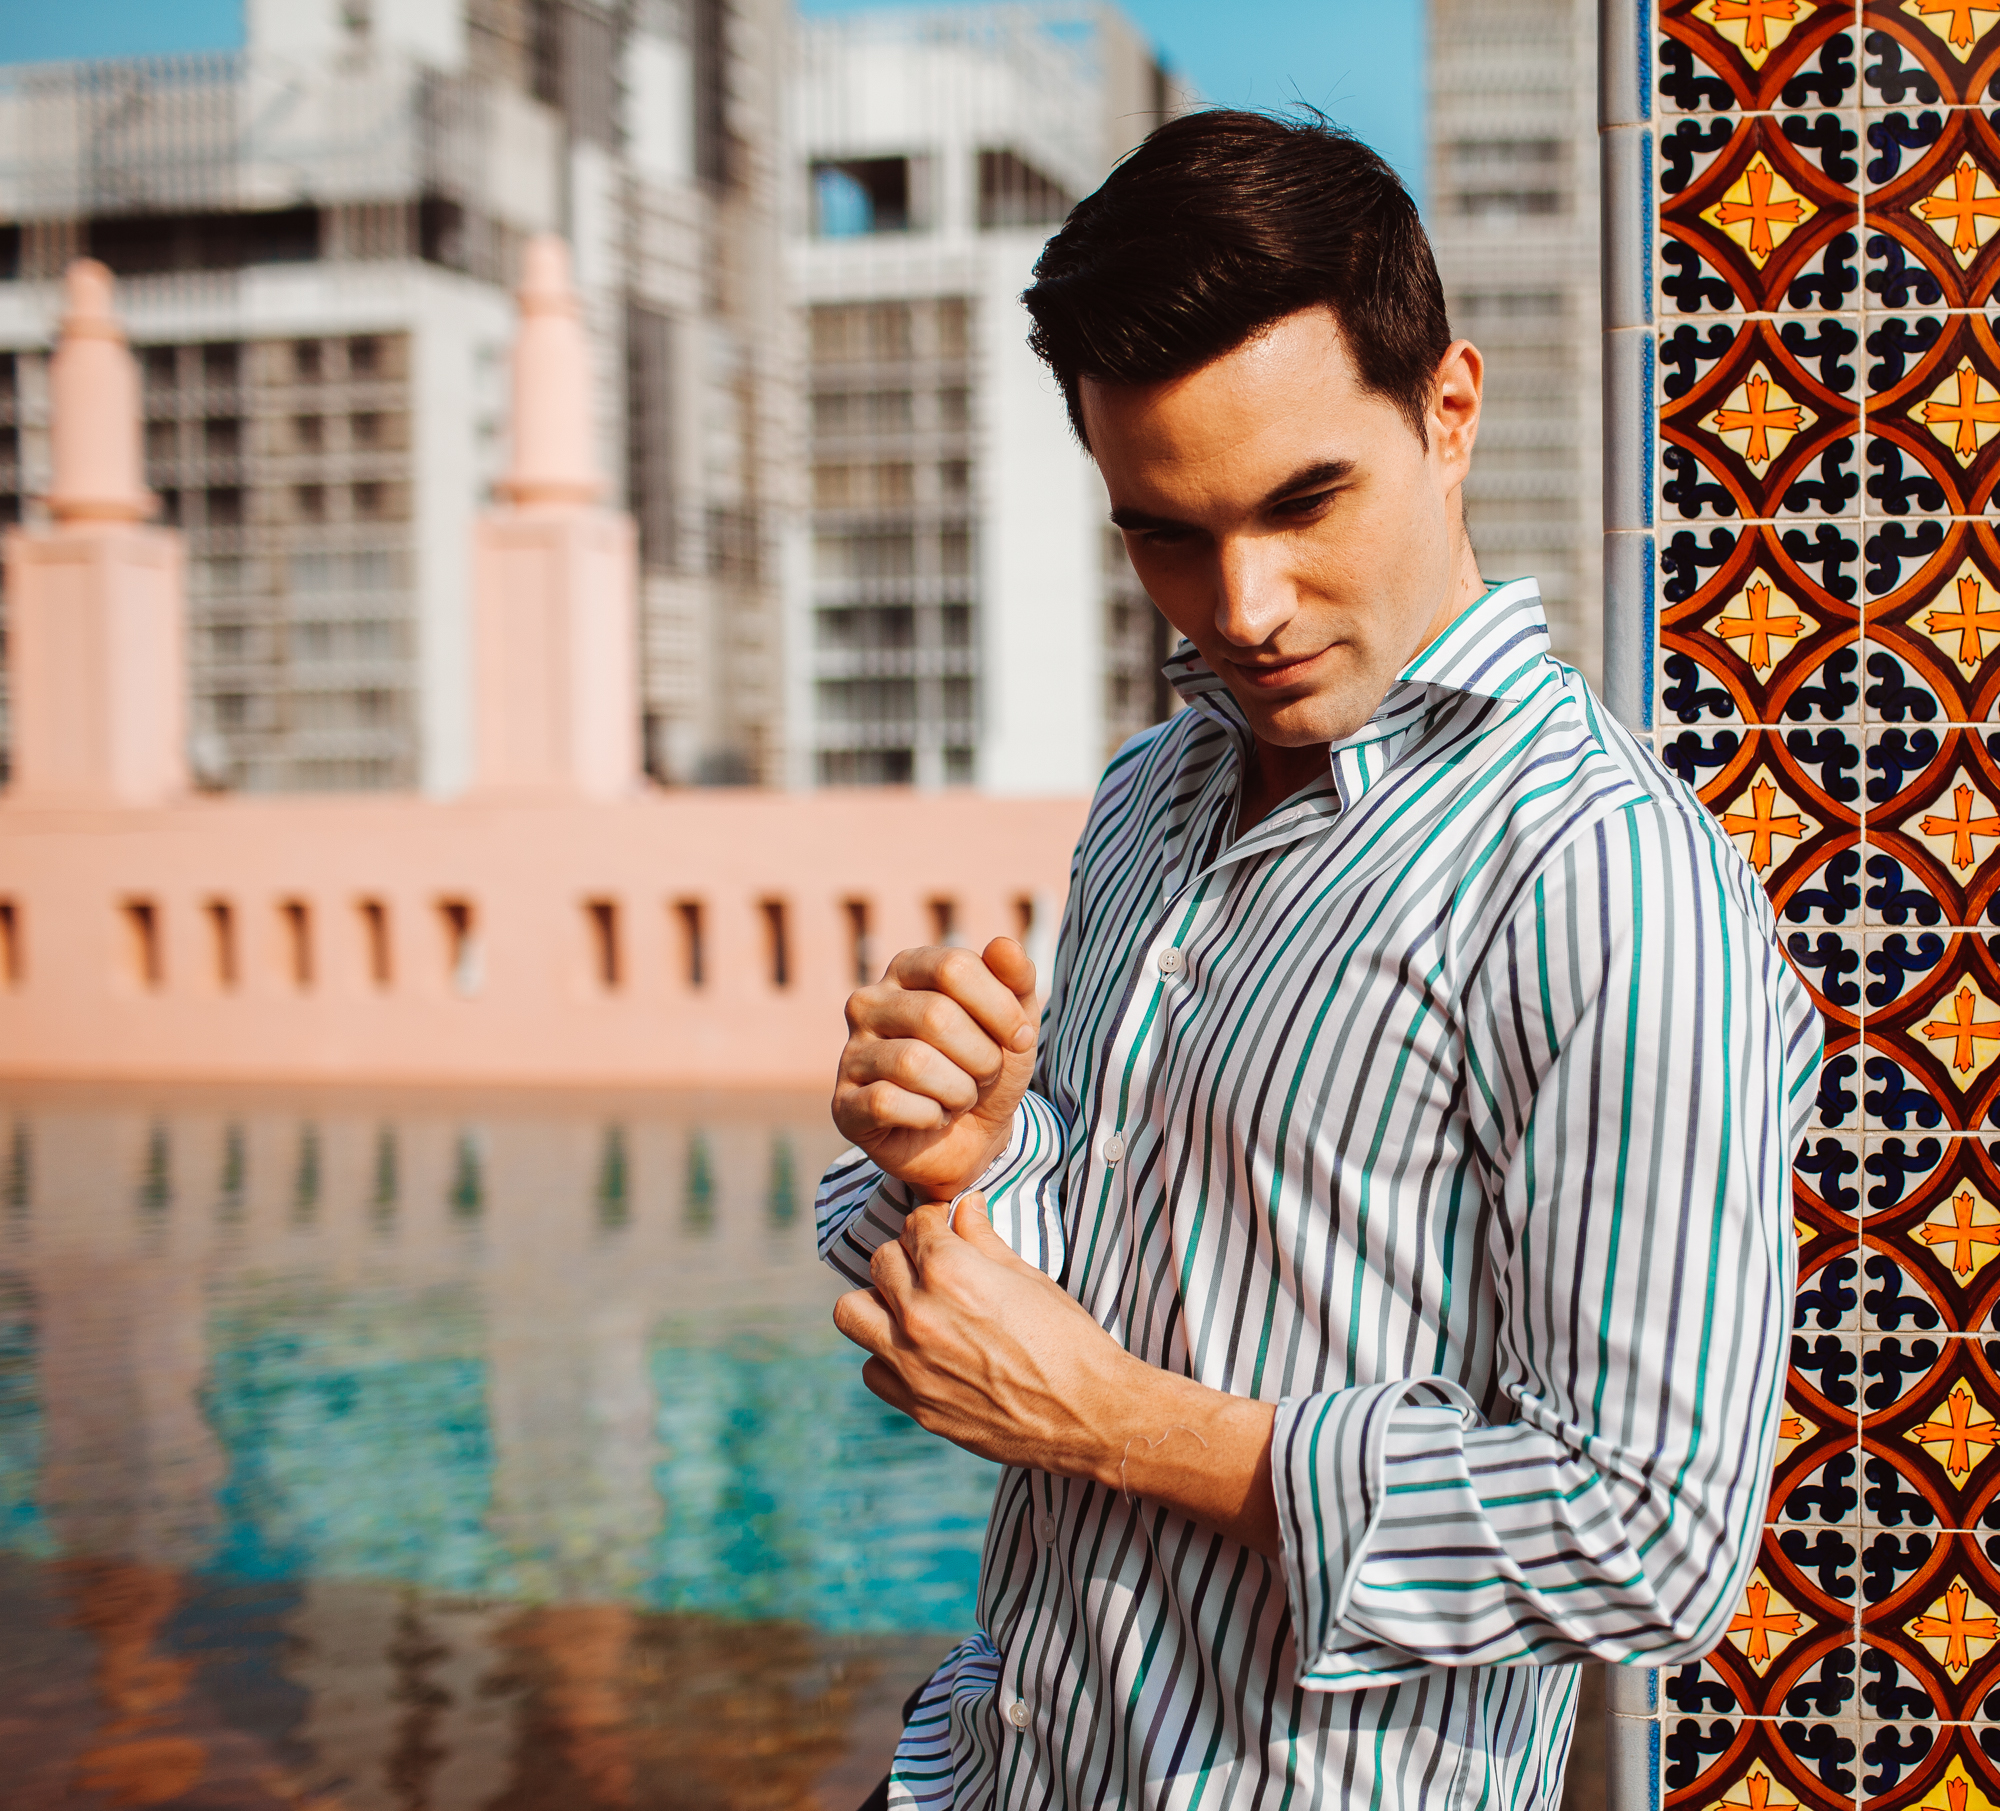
x,y
419,1452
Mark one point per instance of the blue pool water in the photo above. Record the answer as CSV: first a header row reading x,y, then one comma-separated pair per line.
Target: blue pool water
x,y
551,1382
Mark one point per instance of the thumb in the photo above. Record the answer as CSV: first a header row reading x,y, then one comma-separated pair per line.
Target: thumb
x,y
972,1221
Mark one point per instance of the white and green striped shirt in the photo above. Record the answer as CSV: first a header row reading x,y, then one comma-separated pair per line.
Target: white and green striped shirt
x,y
1451,1108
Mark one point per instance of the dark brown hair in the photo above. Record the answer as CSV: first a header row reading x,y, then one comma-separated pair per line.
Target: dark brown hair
x,y
1222,223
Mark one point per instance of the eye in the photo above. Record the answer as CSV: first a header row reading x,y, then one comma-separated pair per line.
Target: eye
x,y
1297,509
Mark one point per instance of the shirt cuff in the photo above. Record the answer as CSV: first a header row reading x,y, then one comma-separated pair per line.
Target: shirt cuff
x,y
1329,1464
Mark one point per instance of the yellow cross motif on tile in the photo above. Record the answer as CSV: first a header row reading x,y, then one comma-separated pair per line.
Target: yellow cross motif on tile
x,y
1969,624
1760,210
1964,412
1764,822
1759,1629
1963,210
1755,27
1964,1231
1759,419
1954,1638
1760,1793
1749,618
1951,838
1956,23
1972,1039
1960,1436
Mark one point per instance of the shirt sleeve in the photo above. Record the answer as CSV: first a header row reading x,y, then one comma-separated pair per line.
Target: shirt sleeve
x,y
859,1208
1640,1061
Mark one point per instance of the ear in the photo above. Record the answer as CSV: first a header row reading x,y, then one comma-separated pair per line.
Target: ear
x,y
1453,417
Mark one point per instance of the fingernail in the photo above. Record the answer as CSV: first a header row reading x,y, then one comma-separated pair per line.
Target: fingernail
x,y
1024,1039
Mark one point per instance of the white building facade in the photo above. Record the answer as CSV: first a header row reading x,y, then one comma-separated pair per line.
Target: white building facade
x,y
315,240
1513,219
963,615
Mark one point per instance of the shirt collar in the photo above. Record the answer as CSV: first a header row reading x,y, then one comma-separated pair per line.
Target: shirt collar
x,y
1491,649
1496,648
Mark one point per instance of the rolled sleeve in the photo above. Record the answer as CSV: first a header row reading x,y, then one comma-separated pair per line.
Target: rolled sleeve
x,y
859,1209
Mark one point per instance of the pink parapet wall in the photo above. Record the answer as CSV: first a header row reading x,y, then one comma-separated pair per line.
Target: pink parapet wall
x,y
703,939
564,922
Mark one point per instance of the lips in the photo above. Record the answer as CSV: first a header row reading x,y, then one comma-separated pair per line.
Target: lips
x,y
1270,678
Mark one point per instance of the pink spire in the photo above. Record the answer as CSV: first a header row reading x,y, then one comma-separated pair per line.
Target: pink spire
x,y
553,464
94,409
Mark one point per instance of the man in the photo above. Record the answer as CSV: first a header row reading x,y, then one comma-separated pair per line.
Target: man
x,y
1384,1300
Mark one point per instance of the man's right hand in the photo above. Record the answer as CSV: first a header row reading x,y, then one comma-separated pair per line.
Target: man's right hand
x,y
938,1055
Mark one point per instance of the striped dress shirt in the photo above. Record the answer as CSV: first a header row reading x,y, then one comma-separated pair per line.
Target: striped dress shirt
x,y
1451,1109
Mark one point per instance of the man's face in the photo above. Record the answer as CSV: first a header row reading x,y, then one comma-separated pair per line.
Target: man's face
x,y
1291,524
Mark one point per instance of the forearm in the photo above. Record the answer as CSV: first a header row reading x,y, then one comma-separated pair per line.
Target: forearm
x,y
1196,1450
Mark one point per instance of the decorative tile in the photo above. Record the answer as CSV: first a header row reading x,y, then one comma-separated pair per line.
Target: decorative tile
x,y
1934,807
1814,1480
1933,609
1933,209
1718,55
1787,799
1930,50
1827,1174
1931,1636
1837,1103
1830,964
1730,1763
1921,1767
1762,625
1930,1431
1932,1031
1767,220
1760,418
1932,1237
1788,1649
1933,413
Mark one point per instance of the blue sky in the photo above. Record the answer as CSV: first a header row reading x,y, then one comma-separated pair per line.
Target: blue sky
x,y
1360,60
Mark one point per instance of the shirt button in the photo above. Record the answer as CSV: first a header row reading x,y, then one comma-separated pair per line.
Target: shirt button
x,y
1045,1528
1170,962
1017,1713
1113,1147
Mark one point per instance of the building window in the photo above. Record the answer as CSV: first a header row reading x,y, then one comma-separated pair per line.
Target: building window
x,y
222,940
860,945
777,943
375,941
10,943
1013,193
307,362
295,917
857,196
601,915
944,922
694,954
146,960
461,945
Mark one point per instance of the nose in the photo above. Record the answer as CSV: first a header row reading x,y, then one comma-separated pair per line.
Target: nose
x,y
1255,596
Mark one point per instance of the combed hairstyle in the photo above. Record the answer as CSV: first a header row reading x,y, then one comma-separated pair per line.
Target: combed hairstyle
x,y
1222,223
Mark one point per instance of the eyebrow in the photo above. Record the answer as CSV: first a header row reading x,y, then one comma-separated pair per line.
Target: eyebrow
x,y
1321,475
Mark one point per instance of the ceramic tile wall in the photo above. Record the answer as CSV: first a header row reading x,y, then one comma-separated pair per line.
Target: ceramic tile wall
x,y
1813,191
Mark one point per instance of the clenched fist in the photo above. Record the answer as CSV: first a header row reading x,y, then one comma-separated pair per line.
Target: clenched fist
x,y
938,1055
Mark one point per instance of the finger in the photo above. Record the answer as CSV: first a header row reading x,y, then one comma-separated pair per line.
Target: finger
x,y
920,1067
922,1226
894,1276
880,1376
1012,969
972,1221
861,1315
962,976
882,1107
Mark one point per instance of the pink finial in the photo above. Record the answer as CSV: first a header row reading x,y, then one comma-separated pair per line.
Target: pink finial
x,y
94,409
553,463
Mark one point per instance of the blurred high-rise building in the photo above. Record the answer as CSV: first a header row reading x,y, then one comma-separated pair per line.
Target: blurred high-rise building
x,y
967,614
315,239
1513,216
